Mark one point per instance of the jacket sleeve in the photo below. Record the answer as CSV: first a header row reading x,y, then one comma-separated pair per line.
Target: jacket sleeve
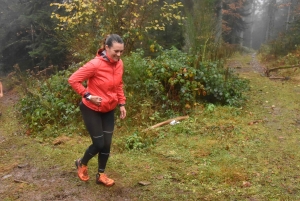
x,y
120,90
120,93
82,74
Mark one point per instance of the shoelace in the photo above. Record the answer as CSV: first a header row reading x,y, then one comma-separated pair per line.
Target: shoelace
x,y
104,177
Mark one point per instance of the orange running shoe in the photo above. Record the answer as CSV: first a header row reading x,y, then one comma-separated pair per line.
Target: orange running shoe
x,y
82,170
102,178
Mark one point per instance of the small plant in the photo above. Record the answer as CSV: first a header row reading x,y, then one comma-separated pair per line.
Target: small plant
x,y
135,142
210,107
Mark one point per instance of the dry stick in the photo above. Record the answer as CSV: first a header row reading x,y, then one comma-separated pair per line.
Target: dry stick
x,y
283,67
166,122
279,78
20,181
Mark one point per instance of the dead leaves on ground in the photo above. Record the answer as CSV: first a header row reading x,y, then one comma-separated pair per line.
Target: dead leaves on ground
x,y
255,122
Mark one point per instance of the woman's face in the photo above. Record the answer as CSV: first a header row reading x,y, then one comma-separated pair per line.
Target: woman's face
x,y
115,51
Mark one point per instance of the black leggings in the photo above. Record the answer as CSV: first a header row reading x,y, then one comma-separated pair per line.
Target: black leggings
x,y
100,127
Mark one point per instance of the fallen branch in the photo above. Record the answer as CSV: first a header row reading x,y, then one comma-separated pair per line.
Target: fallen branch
x,y
166,122
20,181
283,67
279,78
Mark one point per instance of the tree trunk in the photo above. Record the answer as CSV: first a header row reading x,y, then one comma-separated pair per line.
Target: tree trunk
x,y
241,38
219,22
271,14
288,16
253,7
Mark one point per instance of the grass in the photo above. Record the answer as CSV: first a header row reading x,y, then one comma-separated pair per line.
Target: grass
x,y
248,153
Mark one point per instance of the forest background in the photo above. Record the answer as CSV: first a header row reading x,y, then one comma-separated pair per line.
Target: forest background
x,y
175,59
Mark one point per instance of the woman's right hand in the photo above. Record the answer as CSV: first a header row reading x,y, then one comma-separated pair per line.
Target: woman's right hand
x,y
96,100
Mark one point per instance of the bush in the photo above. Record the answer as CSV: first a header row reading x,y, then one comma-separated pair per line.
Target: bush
x,y
50,102
175,84
154,88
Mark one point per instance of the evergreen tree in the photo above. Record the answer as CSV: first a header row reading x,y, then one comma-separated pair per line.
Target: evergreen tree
x,y
234,13
29,38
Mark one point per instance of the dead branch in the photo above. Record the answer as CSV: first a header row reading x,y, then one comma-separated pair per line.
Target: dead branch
x,y
20,181
279,78
166,122
283,67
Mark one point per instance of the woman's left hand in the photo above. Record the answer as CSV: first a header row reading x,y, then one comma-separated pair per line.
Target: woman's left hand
x,y
123,112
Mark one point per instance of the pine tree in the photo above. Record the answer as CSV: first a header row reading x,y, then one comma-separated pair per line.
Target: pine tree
x,y
29,38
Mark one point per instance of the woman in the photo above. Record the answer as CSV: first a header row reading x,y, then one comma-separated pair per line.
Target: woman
x,y
104,92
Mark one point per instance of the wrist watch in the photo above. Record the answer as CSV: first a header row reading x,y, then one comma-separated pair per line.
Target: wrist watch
x,y
87,96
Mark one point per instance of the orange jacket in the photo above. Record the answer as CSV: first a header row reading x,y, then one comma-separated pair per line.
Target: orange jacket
x,y
104,79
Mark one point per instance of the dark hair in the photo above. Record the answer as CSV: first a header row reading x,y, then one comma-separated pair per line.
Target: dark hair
x,y
109,40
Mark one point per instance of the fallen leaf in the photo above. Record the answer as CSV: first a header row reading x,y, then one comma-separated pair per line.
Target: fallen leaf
x,y
60,140
246,184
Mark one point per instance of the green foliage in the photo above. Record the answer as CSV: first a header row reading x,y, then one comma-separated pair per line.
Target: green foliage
x,y
49,102
137,142
210,107
175,85
28,37
155,88
87,22
222,85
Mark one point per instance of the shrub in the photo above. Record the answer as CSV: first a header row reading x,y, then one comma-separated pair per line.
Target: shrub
x,y
154,88
174,83
50,102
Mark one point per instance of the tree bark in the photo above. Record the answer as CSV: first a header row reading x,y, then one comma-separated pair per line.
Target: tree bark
x,y
219,22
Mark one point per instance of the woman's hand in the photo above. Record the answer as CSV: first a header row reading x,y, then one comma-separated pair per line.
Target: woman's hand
x,y
96,100
123,112
1,95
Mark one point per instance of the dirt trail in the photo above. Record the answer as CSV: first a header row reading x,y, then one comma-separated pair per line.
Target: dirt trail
x,y
252,66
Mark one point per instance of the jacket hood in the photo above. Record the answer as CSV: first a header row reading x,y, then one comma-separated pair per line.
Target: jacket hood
x,y
102,53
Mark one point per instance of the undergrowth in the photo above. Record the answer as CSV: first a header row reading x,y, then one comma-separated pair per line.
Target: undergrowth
x,y
157,88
